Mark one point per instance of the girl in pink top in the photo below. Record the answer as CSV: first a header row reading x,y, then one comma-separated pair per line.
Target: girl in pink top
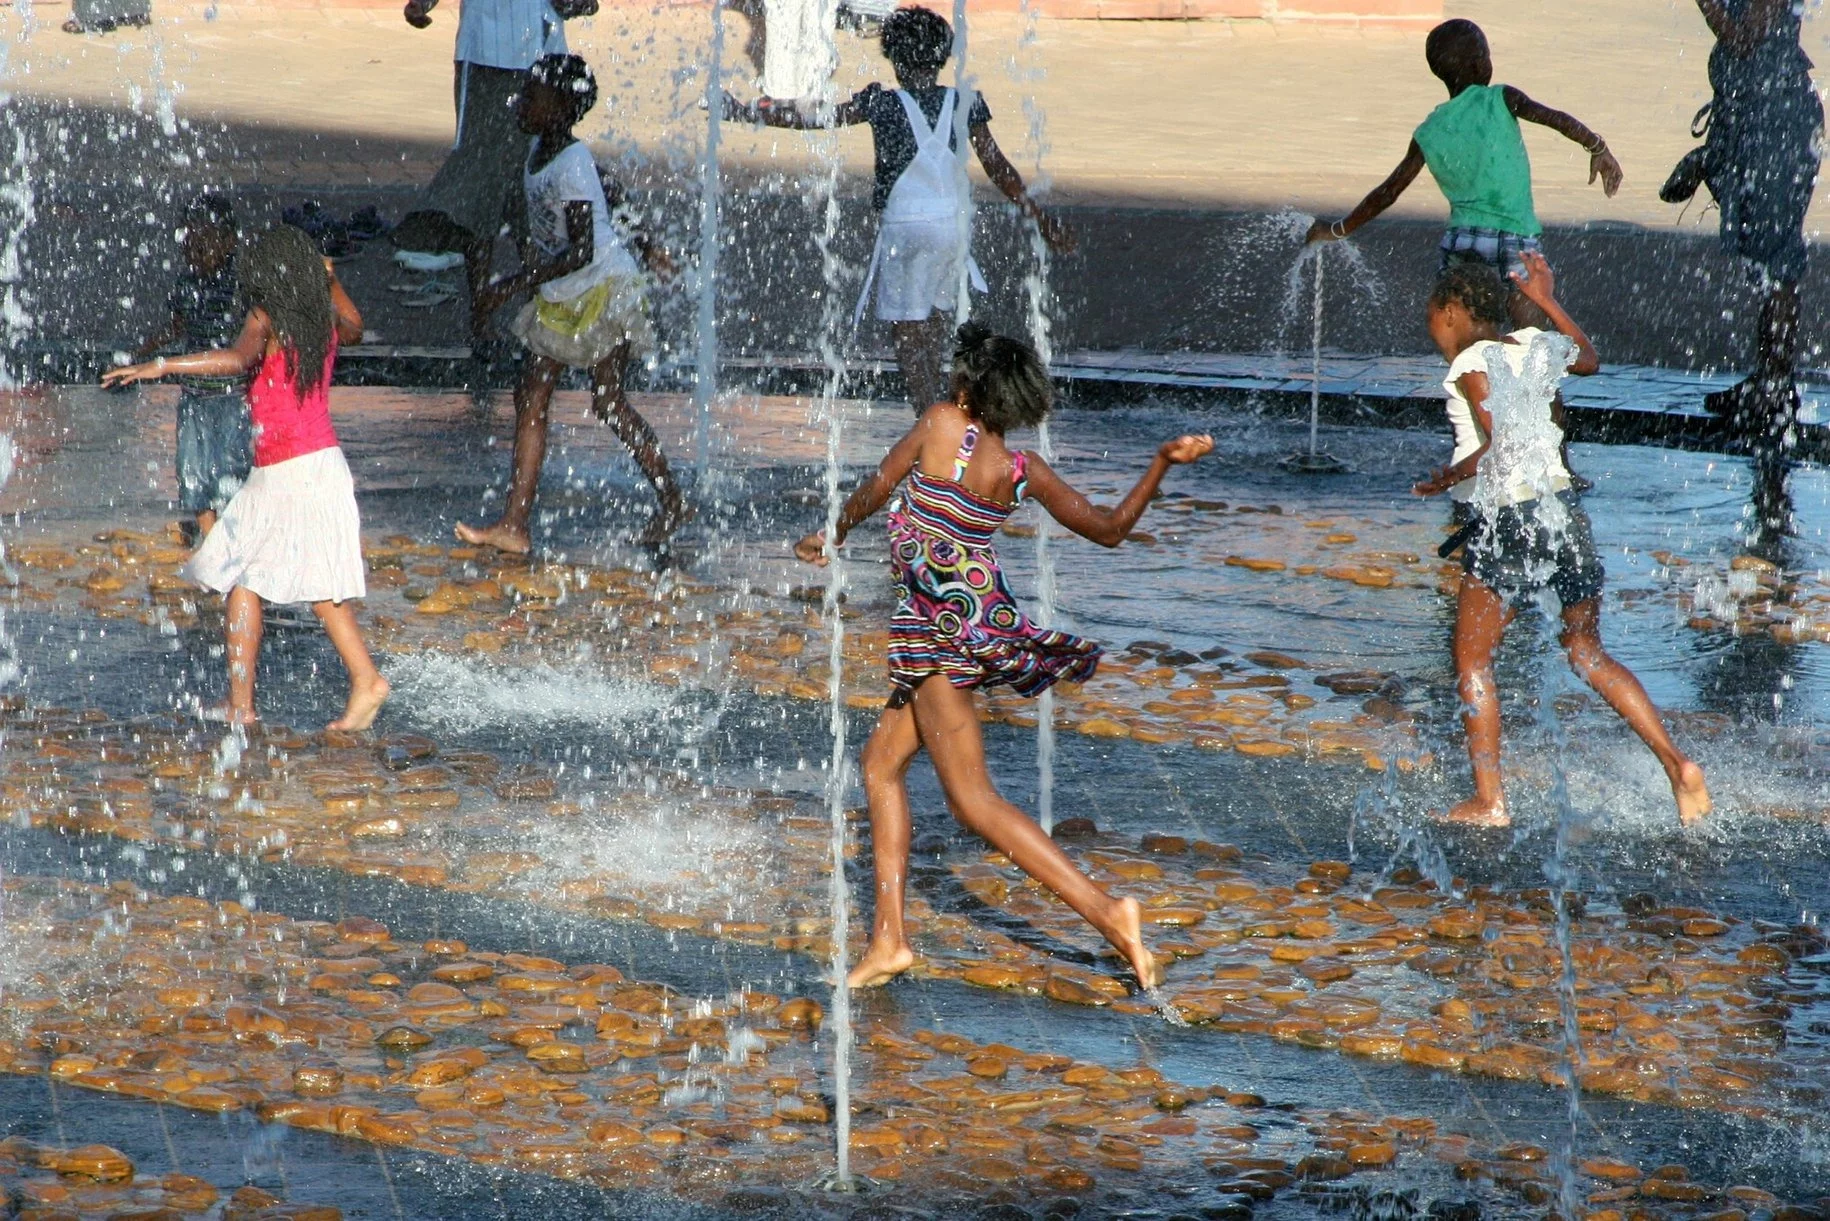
x,y
292,534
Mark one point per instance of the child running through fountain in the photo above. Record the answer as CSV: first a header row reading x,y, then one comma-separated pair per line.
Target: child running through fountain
x,y
1476,153
957,627
923,239
292,533
1524,526
590,306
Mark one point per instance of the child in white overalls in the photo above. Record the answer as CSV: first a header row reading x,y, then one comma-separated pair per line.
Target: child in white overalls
x,y
922,261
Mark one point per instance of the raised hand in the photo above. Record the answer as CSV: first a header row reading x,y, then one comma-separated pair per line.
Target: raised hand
x,y
1187,449
1602,165
1538,283
812,550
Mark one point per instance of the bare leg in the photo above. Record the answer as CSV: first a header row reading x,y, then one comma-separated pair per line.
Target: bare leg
x,y
1616,684
1481,617
612,407
949,728
243,623
919,354
885,763
532,399
367,689
478,255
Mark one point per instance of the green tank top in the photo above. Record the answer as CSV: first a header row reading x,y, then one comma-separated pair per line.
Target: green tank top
x,y
1476,154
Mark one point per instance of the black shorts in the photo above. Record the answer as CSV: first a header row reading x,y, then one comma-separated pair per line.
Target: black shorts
x,y
1514,553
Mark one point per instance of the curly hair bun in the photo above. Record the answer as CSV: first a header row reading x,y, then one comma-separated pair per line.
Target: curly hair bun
x,y
1003,380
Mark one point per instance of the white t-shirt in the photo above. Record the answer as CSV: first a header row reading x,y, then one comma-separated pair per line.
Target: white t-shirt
x,y
508,33
572,177
1468,434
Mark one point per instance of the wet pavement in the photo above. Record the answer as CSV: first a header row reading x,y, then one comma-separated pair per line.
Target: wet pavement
x,y
607,768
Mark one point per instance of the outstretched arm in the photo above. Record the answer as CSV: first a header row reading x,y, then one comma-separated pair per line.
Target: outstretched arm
x,y
767,112
1743,35
1602,164
870,495
1377,200
1109,526
1004,177
244,355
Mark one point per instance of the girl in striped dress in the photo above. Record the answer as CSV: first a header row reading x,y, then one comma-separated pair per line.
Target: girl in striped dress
x,y
957,621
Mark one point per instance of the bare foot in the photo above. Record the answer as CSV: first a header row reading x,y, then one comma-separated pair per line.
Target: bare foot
x,y
499,536
880,966
1477,813
365,700
222,714
1130,942
1692,794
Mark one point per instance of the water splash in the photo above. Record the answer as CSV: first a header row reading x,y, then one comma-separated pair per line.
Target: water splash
x,y
463,695
1524,462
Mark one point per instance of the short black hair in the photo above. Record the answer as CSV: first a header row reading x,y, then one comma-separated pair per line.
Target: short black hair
x,y
917,39
1003,380
1452,47
571,76
1476,287
212,210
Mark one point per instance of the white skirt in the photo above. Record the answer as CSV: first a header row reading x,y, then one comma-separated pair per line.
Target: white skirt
x,y
918,268
624,320
292,534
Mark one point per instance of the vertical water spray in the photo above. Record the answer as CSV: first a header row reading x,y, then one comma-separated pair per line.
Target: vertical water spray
x,y
1035,288
1314,462
833,325
705,376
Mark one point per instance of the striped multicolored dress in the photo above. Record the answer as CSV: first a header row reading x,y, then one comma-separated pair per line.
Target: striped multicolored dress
x,y
955,615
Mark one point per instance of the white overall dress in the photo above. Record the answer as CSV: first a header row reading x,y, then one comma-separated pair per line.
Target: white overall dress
x,y
926,226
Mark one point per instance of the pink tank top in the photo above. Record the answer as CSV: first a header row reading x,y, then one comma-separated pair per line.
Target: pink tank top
x,y
286,424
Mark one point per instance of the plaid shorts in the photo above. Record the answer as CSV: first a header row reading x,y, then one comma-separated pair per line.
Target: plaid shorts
x,y
1504,252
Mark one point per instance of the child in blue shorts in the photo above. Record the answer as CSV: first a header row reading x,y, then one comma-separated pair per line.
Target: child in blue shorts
x,y
215,445
1476,153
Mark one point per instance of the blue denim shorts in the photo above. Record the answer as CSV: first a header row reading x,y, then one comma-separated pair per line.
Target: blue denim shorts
x,y
215,448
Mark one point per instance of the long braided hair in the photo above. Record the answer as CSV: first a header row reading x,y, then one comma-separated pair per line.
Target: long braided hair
x,y
283,274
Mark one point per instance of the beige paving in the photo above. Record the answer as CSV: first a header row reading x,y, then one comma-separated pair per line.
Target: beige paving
x,y
1146,113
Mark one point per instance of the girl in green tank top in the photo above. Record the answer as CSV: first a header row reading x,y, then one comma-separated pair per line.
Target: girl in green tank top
x,y
1476,153
1473,148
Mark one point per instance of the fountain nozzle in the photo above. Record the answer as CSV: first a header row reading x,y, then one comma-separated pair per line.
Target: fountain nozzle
x,y
1314,463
